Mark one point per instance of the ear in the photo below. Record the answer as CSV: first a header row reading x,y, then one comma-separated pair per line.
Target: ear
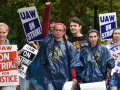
x,y
80,27
98,37
7,32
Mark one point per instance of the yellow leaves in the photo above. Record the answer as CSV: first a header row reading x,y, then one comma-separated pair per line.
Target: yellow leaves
x,y
58,1
31,4
9,4
72,13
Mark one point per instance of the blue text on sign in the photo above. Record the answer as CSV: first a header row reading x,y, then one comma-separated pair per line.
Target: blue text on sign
x,y
28,14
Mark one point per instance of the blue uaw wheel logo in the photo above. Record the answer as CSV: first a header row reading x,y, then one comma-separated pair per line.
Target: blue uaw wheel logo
x,y
116,49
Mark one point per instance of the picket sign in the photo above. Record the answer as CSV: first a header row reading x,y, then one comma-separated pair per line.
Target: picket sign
x,y
28,54
8,70
107,24
31,23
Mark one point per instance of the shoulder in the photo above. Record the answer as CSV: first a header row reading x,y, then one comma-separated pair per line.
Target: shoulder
x,y
12,43
103,47
69,43
84,45
70,39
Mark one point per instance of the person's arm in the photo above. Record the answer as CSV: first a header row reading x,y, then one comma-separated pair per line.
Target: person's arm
x,y
45,19
73,75
109,66
107,74
17,61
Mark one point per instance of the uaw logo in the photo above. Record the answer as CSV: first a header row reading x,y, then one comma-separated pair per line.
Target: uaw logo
x,y
57,54
97,58
116,49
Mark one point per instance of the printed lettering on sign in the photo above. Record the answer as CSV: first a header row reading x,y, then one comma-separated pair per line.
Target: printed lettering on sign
x,y
31,23
8,70
107,24
26,57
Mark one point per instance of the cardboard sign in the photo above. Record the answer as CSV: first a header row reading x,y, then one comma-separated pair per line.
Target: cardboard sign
x,y
108,23
115,51
31,24
8,70
28,54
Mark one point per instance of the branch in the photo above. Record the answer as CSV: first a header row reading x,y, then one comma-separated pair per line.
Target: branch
x,y
71,3
85,4
111,5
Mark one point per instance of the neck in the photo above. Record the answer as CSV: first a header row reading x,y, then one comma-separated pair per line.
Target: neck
x,y
92,45
77,34
58,39
2,42
117,41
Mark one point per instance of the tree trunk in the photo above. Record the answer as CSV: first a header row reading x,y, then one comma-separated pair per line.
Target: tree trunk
x,y
64,11
95,17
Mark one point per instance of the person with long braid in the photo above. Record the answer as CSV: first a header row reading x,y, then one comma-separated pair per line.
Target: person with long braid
x,y
57,55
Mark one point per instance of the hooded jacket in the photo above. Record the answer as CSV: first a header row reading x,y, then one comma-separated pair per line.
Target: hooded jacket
x,y
97,63
56,69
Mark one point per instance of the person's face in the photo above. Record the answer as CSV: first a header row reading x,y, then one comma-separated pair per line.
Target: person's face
x,y
51,26
59,31
116,35
3,33
93,38
75,27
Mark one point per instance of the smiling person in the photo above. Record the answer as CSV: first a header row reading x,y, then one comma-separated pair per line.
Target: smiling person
x,y
115,80
75,27
4,41
97,60
59,58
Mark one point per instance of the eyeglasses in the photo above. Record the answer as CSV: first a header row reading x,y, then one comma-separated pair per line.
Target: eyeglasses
x,y
59,30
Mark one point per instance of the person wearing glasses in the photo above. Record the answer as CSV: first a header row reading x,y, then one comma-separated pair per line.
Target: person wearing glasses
x,y
59,58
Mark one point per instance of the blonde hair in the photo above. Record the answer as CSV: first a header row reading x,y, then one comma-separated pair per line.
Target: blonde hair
x,y
5,25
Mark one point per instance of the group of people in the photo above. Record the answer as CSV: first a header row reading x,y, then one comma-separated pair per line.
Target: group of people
x,y
80,58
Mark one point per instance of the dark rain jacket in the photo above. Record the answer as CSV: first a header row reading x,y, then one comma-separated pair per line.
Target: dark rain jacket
x,y
56,68
97,64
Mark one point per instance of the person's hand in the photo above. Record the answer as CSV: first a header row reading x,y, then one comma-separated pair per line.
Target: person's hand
x,y
47,3
19,52
74,82
79,84
33,44
106,82
17,61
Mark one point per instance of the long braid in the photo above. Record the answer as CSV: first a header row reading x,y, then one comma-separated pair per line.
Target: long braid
x,y
53,48
66,46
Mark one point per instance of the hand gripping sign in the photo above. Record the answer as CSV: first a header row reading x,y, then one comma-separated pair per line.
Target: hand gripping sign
x,y
28,54
8,70
107,24
31,24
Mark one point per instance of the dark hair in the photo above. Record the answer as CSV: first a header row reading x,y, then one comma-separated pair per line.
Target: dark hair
x,y
75,19
113,33
90,31
53,22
